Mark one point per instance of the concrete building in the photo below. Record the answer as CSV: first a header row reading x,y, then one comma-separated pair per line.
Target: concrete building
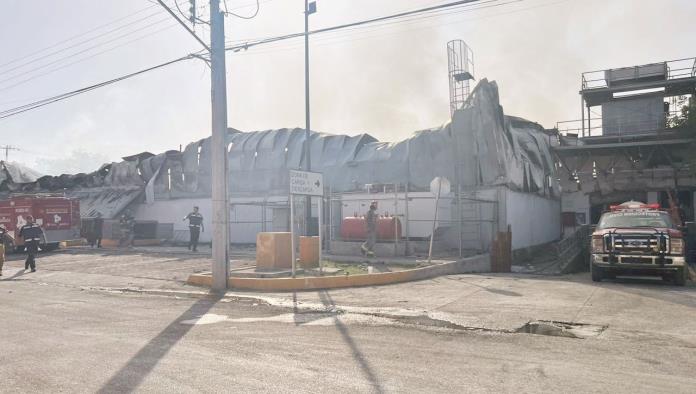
x,y
635,140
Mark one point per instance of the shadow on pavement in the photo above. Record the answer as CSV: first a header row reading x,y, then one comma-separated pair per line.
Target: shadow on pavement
x,y
16,275
357,354
131,375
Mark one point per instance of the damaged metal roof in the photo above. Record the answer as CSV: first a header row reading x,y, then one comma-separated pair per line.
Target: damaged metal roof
x,y
479,147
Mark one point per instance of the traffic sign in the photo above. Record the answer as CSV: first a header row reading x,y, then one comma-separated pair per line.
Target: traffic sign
x,y
306,183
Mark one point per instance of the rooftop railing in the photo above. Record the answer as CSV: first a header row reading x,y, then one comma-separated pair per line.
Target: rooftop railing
x,y
596,127
669,70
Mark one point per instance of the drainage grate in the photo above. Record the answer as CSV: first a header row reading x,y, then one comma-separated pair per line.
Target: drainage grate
x,y
561,329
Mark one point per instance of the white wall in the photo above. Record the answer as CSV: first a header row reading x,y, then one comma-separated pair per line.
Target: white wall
x,y
245,220
173,211
534,220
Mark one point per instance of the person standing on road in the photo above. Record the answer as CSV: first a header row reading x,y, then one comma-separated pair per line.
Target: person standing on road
x,y
195,227
3,236
368,248
32,234
96,237
127,224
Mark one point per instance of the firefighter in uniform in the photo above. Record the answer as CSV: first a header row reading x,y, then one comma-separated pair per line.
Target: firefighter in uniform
x,y
127,225
32,234
368,248
195,227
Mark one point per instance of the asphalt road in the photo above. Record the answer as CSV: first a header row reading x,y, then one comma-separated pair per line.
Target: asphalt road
x,y
107,323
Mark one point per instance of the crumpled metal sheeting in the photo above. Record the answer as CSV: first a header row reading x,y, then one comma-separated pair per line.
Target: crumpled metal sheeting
x,y
480,147
149,166
124,173
107,201
17,173
259,162
483,143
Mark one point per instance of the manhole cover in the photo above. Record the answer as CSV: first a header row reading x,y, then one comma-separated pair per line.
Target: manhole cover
x,y
561,329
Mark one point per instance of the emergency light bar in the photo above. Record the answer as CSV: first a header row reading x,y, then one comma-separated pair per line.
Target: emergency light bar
x,y
634,205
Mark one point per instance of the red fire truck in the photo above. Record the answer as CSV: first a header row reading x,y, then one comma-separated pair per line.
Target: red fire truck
x,y
634,238
59,216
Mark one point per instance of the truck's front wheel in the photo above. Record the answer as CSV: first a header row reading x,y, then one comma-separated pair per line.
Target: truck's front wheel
x,y
597,273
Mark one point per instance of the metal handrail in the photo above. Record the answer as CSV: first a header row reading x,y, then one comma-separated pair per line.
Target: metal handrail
x,y
674,71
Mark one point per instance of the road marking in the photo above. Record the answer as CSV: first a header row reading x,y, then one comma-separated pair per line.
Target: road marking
x,y
208,318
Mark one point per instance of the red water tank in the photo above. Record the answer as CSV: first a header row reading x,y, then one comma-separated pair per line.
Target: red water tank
x,y
355,229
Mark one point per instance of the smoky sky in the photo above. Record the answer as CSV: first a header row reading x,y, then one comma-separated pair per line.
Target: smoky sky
x,y
388,81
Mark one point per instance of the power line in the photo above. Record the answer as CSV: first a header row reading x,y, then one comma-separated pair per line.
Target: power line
x,y
83,59
50,100
76,36
7,149
353,24
72,55
343,38
337,36
73,45
228,12
182,23
37,104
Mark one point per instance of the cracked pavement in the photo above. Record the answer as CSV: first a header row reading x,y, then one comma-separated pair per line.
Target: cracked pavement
x,y
91,321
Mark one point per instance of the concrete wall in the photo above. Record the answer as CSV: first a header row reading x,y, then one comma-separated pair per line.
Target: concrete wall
x,y
534,220
173,211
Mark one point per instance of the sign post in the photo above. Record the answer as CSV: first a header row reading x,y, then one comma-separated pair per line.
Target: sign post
x,y
305,183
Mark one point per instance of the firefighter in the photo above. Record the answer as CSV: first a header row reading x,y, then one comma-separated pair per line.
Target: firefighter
x,y
32,234
95,236
127,225
195,227
368,248
3,235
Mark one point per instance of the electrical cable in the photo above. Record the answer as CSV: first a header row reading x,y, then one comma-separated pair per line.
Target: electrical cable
x,y
228,12
362,30
352,24
83,51
76,44
75,36
21,82
50,100
40,103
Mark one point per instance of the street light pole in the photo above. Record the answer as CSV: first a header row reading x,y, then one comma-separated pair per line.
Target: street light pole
x,y
219,149
310,8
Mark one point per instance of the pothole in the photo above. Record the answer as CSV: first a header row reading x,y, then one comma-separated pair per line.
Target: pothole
x,y
561,329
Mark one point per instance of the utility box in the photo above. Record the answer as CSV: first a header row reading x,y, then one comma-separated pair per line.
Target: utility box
x,y
273,251
630,75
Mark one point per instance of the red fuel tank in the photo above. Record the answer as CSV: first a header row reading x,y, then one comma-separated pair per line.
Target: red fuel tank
x,y
355,229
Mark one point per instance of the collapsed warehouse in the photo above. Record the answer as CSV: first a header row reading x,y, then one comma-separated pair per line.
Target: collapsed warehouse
x,y
500,168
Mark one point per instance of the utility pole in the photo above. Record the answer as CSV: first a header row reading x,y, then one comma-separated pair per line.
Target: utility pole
x,y
310,8
218,87
7,149
220,197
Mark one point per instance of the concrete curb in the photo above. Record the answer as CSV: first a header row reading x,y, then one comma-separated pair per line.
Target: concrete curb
x,y
480,263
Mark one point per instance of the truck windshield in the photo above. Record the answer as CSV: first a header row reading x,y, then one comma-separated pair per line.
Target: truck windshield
x,y
635,219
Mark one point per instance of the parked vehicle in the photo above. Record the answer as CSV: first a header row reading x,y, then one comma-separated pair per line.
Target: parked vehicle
x,y
634,238
59,216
